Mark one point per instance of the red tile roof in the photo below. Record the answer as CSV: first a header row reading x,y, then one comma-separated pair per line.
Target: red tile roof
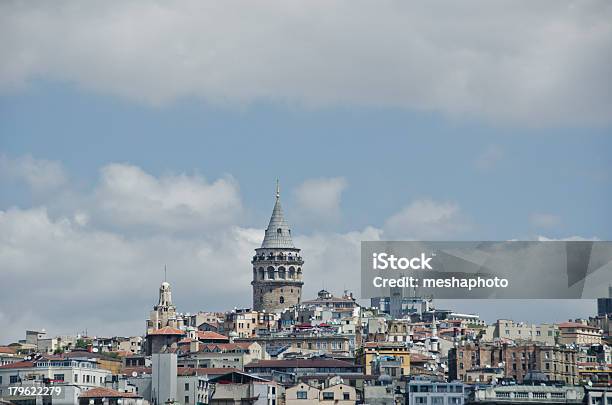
x,y
7,350
209,335
19,364
575,325
138,370
223,347
124,353
419,358
182,370
102,392
167,331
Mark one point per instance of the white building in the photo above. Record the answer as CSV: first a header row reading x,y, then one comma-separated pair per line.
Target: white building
x,y
80,373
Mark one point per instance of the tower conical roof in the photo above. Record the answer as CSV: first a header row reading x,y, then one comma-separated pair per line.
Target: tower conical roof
x,y
278,234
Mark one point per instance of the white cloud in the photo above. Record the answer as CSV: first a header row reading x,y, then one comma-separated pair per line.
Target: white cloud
x,y
39,174
104,279
426,218
319,199
128,196
489,157
578,238
544,220
535,63
332,260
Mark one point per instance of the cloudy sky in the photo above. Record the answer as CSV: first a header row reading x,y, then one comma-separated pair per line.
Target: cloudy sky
x,y
138,134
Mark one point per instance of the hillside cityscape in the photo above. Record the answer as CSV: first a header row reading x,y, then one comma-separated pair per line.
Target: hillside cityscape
x,y
328,349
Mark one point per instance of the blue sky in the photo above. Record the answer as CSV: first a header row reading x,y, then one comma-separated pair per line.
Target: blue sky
x,y
388,156
138,134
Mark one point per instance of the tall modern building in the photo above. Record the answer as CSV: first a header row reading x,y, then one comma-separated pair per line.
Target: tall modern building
x,y
277,266
604,305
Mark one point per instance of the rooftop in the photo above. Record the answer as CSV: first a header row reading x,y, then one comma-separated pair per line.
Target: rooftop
x,y
102,392
209,335
303,363
167,331
575,325
19,364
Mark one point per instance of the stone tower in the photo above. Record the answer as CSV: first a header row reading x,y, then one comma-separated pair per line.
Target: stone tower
x,y
277,266
164,313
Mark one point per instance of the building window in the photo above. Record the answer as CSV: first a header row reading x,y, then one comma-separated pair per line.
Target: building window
x,y
302,395
346,396
186,399
282,300
328,396
186,386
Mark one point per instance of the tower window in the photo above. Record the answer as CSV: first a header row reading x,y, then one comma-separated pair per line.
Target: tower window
x,y
282,300
279,231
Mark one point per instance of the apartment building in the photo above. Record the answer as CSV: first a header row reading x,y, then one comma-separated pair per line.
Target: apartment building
x,y
556,363
375,350
579,334
508,329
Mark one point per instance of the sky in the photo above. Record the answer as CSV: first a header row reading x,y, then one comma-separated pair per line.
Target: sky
x,y
136,135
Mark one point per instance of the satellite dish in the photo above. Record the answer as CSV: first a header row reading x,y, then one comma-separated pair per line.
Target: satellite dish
x,y
95,350
134,374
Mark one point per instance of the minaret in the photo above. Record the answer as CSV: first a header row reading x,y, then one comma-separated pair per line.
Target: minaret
x,y
434,336
277,266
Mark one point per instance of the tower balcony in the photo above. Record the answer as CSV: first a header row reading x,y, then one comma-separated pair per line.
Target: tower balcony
x,y
277,259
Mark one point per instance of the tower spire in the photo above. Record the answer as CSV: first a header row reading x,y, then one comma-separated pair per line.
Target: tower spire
x,y
278,233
